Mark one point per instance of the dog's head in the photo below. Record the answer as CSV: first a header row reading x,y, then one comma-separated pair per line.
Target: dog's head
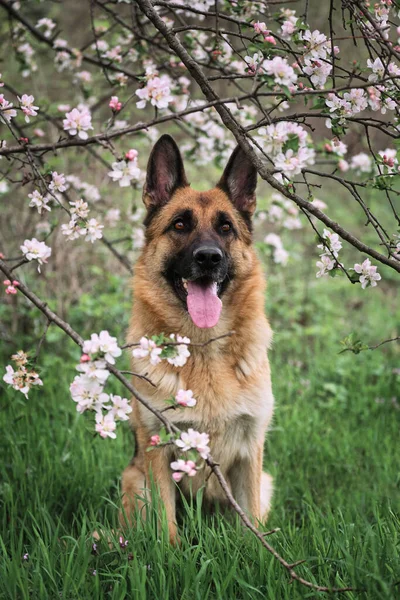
x,y
197,242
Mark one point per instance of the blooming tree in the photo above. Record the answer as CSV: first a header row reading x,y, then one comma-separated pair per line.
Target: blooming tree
x,y
226,72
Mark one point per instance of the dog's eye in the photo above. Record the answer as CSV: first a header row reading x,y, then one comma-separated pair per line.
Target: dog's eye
x,y
226,227
179,225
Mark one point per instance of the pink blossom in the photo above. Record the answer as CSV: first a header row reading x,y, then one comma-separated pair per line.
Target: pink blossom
x,y
182,467
193,439
27,106
149,348
78,122
369,275
48,25
115,104
156,91
155,440
58,183
73,230
88,393
120,408
102,343
84,76
260,27
11,288
131,154
270,39
253,62
280,70
38,201
80,209
21,380
332,242
106,425
96,369
93,231
325,264
185,398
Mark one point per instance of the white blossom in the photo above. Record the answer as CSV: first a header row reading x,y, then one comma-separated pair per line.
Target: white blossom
x,y
120,408
106,425
35,250
193,439
93,230
369,275
38,201
124,172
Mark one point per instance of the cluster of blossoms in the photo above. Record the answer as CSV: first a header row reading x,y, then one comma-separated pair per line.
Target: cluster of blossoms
x,y
284,213
78,122
35,250
368,274
157,90
86,190
57,185
26,56
279,254
173,349
127,170
329,258
196,444
91,229
261,29
192,442
289,23
115,104
316,56
80,225
11,286
22,379
288,144
87,389
48,26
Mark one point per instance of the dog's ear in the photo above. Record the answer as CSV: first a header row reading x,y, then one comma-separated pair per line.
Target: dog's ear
x,y
165,173
239,181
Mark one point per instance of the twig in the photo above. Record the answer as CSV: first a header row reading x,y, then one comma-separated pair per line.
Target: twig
x,y
396,339
195,344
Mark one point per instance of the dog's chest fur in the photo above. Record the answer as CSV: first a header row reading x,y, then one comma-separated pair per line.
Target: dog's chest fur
x,y
230,380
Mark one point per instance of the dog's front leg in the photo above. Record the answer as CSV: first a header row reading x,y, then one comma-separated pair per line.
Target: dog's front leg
x,y
157,467
245,480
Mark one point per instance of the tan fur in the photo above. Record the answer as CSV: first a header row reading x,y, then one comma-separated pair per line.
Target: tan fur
x,y
230,378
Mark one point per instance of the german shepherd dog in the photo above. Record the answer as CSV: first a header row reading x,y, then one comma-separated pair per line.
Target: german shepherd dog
x,y
198,276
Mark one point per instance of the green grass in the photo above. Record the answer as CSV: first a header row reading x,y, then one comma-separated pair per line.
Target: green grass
x,y
333,450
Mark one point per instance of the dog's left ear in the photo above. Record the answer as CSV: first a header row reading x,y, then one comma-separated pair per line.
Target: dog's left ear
x,y
165,173
239,181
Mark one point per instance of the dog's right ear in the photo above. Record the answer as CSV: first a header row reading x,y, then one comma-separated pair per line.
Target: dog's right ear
x,y
165,173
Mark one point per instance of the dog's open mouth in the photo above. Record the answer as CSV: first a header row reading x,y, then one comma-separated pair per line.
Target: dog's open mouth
x,y
201,298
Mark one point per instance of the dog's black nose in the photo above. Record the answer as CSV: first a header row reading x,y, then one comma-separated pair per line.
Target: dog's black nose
x,y
208,257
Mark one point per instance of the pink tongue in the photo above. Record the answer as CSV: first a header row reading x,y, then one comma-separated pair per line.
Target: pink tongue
x,y
203,303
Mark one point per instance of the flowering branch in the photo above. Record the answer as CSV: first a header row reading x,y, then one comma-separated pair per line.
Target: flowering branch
x,y
173,431
241,136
